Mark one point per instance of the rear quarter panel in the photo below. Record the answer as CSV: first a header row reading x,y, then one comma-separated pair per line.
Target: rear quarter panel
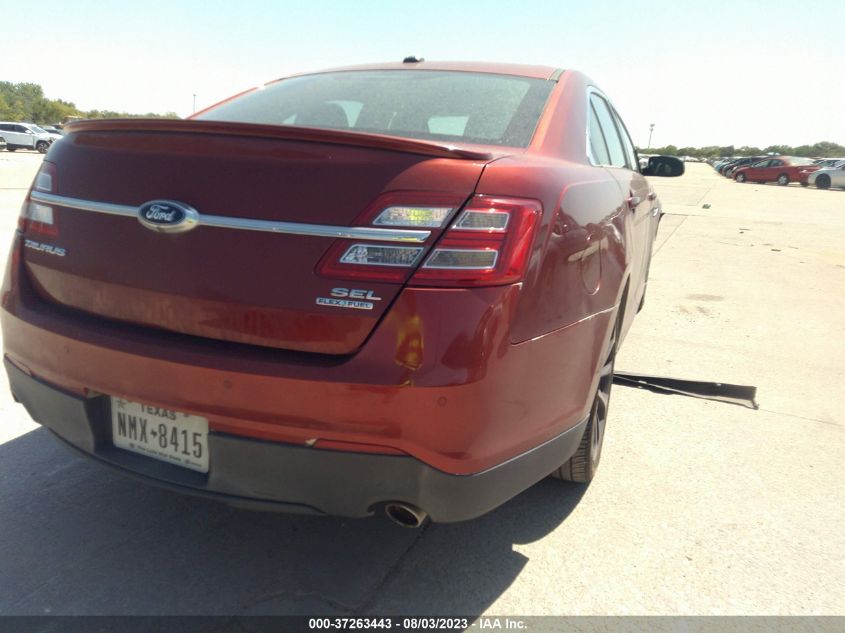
x,y
583,251
579,259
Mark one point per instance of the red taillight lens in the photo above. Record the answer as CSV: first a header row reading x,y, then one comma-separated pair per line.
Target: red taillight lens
x,y
37,217
489,244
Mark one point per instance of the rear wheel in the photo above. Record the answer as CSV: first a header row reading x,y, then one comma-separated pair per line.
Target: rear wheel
x,y
581,467
823,182
42,147
10,148
740,177
783,180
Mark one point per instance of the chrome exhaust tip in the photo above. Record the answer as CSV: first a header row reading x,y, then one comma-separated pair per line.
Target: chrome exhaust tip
x,y
405,515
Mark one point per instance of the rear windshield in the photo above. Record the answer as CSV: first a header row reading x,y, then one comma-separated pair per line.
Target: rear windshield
x,y
431,105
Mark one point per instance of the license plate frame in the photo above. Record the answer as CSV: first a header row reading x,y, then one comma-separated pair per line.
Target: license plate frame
x,y
164,434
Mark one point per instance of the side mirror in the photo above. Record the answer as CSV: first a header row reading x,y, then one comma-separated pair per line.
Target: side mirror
x,y
30,132
667,166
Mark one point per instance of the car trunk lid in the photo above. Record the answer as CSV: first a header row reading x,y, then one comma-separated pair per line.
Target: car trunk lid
x,y
246,272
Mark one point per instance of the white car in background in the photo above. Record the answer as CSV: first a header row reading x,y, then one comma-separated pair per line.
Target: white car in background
x,y
828,177
26,136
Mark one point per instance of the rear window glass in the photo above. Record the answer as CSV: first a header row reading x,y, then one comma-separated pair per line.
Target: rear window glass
x,y
429,105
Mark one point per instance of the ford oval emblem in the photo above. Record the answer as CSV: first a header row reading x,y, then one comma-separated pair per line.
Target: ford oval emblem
x,y
168,216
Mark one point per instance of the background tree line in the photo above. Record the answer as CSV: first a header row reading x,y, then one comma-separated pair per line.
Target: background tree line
x,y
824,149
26,102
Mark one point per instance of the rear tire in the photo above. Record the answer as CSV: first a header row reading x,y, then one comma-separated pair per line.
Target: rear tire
x,y
823,182
42,147
783,180
581,467
9,148
740,177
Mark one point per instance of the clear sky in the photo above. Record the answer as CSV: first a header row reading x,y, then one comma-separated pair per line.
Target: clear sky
x,y
708,72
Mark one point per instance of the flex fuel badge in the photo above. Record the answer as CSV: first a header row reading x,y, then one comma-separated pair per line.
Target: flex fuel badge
x,y
354,298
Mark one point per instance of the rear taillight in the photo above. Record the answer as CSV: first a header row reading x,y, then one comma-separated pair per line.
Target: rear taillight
x,y
37,217
366,260
488,244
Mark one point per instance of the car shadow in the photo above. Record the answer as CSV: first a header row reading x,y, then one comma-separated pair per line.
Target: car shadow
x,y
81,539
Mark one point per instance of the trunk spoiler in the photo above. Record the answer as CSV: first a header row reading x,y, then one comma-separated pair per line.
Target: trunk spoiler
x,y
286,132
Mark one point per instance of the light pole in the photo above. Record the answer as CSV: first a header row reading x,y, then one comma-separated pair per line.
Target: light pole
x,y
650,130
195,105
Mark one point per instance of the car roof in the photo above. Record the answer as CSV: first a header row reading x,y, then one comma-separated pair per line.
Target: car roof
x,y
521,70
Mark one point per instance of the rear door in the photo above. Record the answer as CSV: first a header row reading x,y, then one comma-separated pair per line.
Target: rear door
x,y
635,189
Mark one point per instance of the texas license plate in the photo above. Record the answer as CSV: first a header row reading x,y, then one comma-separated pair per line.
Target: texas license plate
x,y
171,436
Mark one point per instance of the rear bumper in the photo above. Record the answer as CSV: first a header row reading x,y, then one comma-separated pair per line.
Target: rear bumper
x,y
439,408
439,380
266,475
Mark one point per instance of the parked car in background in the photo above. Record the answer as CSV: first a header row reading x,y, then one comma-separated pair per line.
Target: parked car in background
x,y
827,177
729,170
418,313
780,169
53,130
723,165
818,163
25,136
722,162
53,135
728,164
827,162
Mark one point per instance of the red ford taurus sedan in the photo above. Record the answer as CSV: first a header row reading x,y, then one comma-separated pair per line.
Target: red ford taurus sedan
x,y
780,169
392,288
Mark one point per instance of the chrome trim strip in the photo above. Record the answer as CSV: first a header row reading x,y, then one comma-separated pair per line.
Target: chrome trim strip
x,y
84,205
246,224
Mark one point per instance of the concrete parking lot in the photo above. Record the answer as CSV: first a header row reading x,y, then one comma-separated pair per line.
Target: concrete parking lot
x,y
699,507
